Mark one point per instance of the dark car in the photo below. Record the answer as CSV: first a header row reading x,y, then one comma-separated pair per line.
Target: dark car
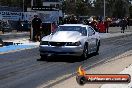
x,y
26,26
6,27
115,23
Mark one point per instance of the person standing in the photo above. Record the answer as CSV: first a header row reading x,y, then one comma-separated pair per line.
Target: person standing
x,y
123,23
19,24
101,27
93,24
128,22
53,28
106,23
36,24
1,43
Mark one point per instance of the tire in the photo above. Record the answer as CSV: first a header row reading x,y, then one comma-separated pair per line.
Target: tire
x,y
97,49
43,57
85,52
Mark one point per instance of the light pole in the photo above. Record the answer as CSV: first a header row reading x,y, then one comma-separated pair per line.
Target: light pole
x,y
31,31
31,3
23,6
104,10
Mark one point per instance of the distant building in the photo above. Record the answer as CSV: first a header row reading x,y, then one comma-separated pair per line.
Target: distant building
x,y
13,9
55,4
49,11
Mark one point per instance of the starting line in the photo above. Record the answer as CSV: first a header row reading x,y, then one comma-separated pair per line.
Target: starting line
x,y
11,48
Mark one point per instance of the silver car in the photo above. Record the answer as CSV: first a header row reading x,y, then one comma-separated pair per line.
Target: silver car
x,y
70,39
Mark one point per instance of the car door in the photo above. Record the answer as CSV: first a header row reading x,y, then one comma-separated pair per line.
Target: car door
x,y
92,39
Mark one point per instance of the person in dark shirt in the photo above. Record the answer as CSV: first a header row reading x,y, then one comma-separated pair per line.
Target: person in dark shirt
x,y
36,24
123,23
128,22
19,24
1,42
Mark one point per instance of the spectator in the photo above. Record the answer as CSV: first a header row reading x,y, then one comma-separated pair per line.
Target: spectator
x,y
106,23
54,26
87,22
19,24
0,24
73,19
101,27
36,24
94,25
128,22
1,43
123,23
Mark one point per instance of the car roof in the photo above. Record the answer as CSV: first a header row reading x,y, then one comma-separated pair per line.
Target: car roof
x,y
82,25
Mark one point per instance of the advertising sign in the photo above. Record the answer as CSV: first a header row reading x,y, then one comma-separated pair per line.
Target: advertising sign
x,y
8,15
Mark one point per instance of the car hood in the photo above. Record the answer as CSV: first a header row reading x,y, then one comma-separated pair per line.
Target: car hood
x,y
64,36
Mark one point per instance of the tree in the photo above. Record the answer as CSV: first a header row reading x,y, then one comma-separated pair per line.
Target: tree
x,y
81,8
69,7
37,2
5,2
116,8
130,11
121,8
77,7
27,3
98,6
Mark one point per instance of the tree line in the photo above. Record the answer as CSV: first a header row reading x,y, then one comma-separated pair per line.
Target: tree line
x,y
20,3
114,8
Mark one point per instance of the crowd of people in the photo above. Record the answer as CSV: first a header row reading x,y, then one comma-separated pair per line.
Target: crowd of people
x,y
99,25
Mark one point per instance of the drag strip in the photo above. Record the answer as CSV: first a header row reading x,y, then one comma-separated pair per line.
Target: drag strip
x,y
24,71
100,59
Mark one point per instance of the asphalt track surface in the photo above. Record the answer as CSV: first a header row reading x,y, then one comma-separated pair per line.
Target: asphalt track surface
x,y
22,70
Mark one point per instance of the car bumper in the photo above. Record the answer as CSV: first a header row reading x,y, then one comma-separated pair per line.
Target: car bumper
x,y
63,50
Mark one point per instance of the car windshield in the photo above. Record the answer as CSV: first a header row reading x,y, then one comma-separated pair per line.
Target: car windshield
x,y
80,29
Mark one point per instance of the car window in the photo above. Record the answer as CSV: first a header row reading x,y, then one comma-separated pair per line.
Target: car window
x,y
69,28
84,31
90,31
79,29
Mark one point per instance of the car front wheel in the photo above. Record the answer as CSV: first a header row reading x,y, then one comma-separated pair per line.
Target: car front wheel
x,y
97,49
43,57
85,52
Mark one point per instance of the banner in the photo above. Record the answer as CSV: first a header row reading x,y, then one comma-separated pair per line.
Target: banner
x,y
8,15
52,16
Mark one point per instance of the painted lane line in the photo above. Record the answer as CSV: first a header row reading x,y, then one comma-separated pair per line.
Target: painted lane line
x,y
12,51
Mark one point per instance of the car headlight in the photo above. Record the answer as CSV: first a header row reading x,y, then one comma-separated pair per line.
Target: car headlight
x,y
73,43
44,43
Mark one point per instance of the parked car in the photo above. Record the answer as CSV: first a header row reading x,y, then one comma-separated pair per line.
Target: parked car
x,y
115,23
26,26
6,27
70,39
